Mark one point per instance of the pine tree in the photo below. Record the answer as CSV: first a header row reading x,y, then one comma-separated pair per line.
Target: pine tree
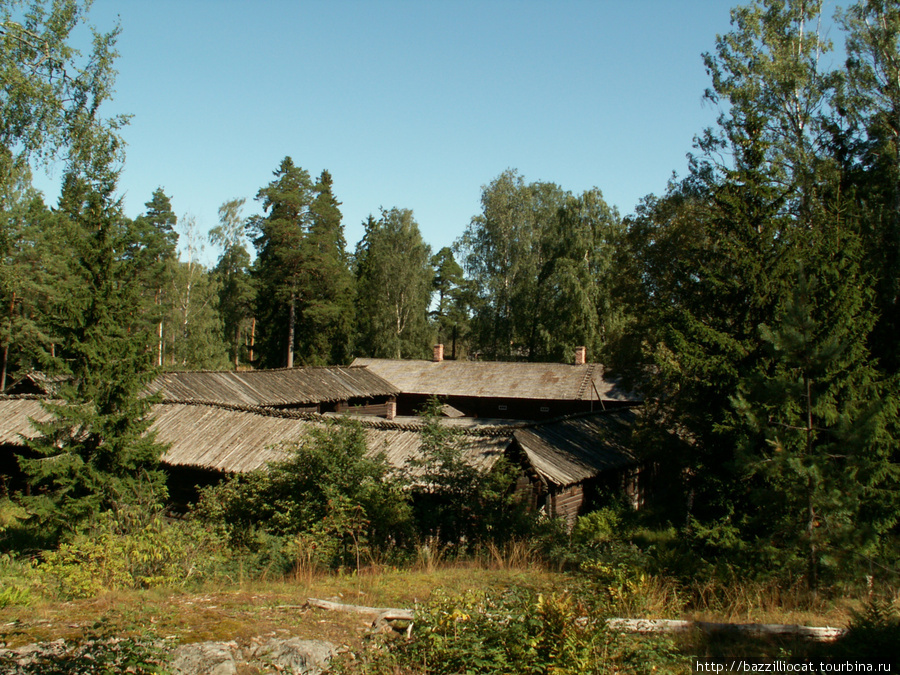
x,y
152,249
451,314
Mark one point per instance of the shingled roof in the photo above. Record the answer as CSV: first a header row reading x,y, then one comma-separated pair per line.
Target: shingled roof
x,y
497,379
238,439
275,388
574,449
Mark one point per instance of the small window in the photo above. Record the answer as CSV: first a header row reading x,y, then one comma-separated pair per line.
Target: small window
x,y
501,407
545,408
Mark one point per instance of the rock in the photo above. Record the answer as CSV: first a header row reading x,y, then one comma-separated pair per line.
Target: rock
x,y
262,655
205,658
300,657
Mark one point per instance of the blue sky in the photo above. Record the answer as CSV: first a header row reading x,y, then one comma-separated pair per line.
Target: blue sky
x,y
408,104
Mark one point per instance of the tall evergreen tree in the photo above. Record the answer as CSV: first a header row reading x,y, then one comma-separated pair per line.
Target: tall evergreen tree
x,y
305,290
393,279
759,375
325,336
96,452
817,452
281,270
869,103
451,314
153,252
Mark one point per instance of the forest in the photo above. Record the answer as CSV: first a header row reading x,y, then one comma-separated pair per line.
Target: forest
x,y
754,304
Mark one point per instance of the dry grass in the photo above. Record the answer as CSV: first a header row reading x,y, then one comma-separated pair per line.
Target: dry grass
x,y
277,607
250,609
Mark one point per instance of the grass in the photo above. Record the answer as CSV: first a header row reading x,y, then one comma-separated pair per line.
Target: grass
x,y
251,609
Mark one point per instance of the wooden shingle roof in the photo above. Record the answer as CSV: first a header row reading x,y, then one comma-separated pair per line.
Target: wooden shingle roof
x,y
497,379
238,439
574,449
285,387
15,415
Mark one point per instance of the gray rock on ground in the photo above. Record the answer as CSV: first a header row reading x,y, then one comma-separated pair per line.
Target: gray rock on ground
x,y
292,655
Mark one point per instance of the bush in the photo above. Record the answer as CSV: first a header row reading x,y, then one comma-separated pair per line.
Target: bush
x,y
327,494
123,550
517,631
873,633
461,505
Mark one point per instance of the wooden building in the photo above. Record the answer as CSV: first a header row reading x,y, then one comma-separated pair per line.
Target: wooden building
x,y
500,389
216,423
307,389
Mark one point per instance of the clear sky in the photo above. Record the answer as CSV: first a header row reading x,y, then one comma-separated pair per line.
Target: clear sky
x,y
414,104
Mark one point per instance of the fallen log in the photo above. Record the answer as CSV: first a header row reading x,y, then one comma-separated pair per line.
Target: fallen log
x,y
818,633
383,613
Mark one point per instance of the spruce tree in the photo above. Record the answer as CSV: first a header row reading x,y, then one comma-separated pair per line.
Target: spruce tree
x,y
327,307
817,453
96,453
152,249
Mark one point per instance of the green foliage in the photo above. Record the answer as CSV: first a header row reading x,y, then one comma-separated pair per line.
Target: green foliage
x,y
96,450
826,476
539,260
304,298
15,581
516,631
873,632
394,279
326,494
460,504
130,549
236,290
150,248
451,314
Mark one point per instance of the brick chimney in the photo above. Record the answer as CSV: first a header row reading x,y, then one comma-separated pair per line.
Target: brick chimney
x,y
580,356
438,353
391,408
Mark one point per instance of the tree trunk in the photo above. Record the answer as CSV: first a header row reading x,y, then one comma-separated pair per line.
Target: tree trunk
x,y
237,345
290,342
3,368
252,337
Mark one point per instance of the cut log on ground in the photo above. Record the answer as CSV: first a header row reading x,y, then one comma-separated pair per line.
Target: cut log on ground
x,y
819,633
384,616
384,613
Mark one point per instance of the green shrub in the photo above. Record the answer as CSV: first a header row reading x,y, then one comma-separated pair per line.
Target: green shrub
x,y
16,581
122,551
328,491
517,631
873,632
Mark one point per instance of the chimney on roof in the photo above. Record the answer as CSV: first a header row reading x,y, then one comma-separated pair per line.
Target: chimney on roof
x,y
391,408
438,353
580,356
